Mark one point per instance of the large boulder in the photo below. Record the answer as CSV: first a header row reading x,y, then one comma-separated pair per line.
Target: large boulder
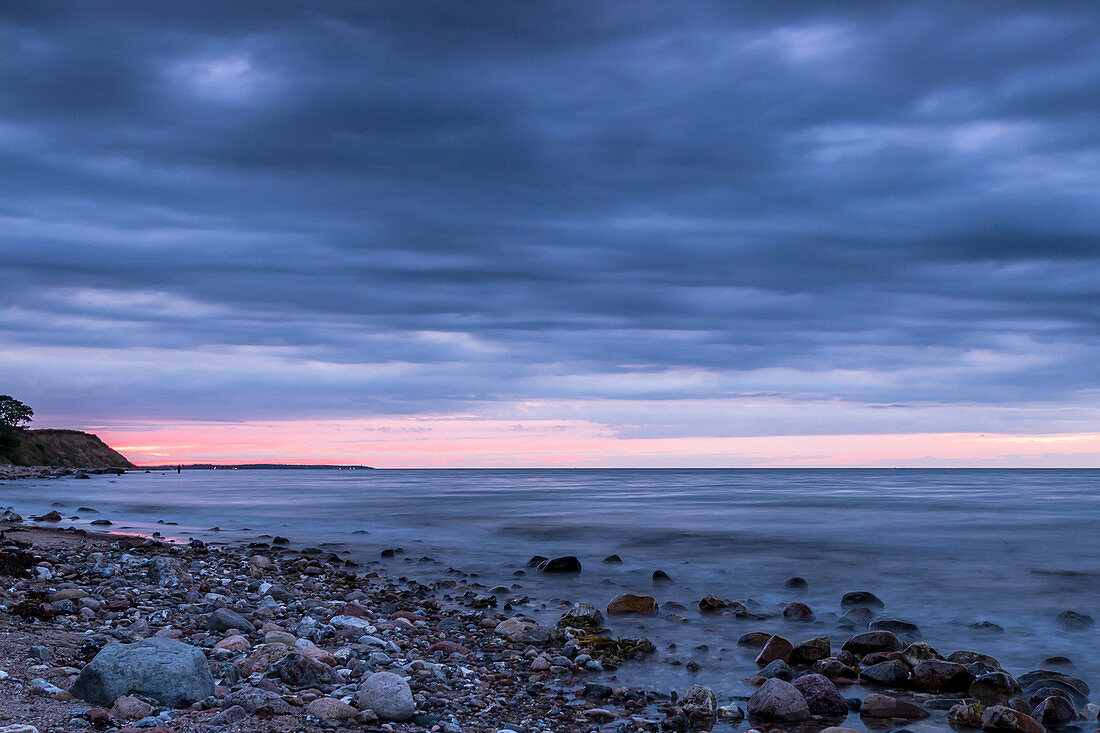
x,y
387,695
776,648
821,696
779,701
171,672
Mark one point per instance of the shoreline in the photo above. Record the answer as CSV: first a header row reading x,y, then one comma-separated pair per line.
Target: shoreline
x,y
465,650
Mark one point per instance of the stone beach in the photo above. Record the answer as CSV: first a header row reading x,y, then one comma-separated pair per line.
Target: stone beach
x,y
119,632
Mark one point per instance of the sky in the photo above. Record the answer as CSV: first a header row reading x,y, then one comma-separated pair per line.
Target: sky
x,y
557,233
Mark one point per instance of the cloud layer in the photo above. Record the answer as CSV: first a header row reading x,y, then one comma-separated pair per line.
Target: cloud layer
x,y
669,220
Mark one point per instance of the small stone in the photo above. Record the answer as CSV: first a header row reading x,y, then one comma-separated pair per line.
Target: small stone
x,y
567,564
388,696
1075,621
892,673
130,708
811,651
777,669
225,619
329,708
1054,711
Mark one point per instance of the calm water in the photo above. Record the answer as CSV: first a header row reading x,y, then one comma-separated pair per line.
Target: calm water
x,y
942,548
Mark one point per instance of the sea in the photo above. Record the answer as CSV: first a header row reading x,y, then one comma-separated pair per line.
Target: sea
x,y
945,549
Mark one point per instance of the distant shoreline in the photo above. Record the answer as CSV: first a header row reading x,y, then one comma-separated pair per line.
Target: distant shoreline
x,y
254,467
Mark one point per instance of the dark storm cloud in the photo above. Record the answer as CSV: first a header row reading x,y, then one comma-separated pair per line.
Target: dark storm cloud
x,y
403,207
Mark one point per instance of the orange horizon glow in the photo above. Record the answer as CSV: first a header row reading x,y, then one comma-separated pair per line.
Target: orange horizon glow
x,y
470,442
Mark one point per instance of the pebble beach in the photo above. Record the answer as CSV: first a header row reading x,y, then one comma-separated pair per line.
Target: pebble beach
x,y
112,631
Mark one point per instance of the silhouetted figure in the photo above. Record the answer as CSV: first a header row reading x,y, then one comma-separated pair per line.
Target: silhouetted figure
x,y
179,468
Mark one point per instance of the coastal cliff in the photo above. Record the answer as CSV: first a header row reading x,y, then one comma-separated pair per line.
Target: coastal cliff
x,y
65,449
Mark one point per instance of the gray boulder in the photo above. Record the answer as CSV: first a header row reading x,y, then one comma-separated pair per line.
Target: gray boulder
x,y
778,700
387,695
171,672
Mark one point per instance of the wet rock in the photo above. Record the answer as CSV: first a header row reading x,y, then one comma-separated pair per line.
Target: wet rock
x,y
919,652
536,560
329,708
224,619
660,576
834,669
1074,687
821,695
753,640
582,616
235,643
698,706
812,650
776,648
779,701
1002,718
884,706
169,671
387,695
933,675
777,669
895,625
1054,710
798,612
298,671
894,673
966,715
861,598
566,564
796,583
713,604
1074,620
873,641
994,688
968,657
52,516
986,626
855,618
613,560
625,603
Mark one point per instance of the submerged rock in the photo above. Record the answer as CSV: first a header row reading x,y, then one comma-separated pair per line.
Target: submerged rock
x,y
566,564
625,603
884,706
859,598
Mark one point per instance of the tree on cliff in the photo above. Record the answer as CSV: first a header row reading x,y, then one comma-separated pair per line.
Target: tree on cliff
x,y
13,413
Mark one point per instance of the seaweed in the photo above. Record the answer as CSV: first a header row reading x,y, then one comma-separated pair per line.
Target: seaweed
x,y
616,650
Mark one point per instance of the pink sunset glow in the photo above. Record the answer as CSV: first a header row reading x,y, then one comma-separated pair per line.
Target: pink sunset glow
x,y
466,442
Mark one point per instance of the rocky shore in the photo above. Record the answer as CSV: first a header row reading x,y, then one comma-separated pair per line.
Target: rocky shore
x,y
112,632
9,472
